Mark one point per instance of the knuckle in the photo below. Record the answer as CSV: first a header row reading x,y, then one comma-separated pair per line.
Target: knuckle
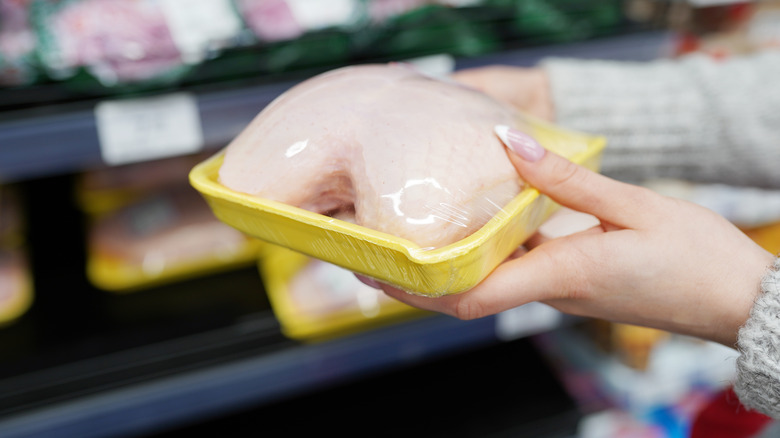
x,y
564,173
574,267
466,308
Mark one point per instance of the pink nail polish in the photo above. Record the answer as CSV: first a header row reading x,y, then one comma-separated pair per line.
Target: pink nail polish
x,y
368,281
520,143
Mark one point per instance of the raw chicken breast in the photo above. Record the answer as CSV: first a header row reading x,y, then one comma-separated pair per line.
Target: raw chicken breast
x,y
382,146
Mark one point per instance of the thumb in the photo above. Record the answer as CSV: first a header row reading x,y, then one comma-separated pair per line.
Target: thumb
x,y
576,187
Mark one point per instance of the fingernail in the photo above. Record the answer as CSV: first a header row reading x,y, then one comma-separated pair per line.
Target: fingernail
x,y
520,143
368,281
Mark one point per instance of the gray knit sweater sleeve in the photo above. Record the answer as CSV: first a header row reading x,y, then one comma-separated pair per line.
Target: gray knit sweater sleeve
x,y
699,120
693,118
758,365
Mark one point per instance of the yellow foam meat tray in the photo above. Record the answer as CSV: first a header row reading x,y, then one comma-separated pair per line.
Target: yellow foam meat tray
x,y
447,270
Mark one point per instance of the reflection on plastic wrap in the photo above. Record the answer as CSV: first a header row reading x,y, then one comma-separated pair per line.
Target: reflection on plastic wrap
x,y
16,290
351,144
400,175
166,236
315,300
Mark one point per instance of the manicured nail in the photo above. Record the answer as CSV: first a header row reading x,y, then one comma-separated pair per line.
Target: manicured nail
x,y
520,143
368,281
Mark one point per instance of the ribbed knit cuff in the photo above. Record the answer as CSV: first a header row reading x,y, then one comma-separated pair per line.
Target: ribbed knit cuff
x,y
758,366
649,112
691,118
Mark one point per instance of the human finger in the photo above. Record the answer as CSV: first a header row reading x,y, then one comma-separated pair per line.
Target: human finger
x,y
538,239
576,187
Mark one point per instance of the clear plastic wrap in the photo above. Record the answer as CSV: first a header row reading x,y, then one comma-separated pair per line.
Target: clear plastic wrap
x,y
407,181
383,147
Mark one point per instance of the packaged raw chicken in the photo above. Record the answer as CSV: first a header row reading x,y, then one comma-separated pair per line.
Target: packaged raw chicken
x,y
387,172
17,44
270,20
381,146
108,188
315,300
16,290
166,236
116,41
298,34
274,20
132,41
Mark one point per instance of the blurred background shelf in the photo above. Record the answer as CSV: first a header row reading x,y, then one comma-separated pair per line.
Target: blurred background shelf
x,y
86,362
207,354
57,139
83,362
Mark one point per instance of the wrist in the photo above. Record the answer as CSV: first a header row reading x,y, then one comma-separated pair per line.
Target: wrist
x,y
743,305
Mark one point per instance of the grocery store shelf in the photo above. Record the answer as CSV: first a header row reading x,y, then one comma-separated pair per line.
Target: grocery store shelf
x,y
66,141
216,390
110,365
64,138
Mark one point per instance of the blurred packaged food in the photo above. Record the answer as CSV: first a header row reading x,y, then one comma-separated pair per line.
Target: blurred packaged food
x,y
315,300
16,287
17,44
148,227
108,188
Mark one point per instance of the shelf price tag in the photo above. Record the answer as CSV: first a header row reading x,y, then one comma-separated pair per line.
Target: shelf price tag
x,y
526,320
200,25
317,14
148,128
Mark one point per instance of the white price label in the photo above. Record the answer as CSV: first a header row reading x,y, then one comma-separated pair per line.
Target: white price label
x,y
148,128
526,320
196,25
319,14
707,3
460,3
436,66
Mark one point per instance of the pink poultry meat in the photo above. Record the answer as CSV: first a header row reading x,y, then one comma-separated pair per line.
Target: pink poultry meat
x,y
382,146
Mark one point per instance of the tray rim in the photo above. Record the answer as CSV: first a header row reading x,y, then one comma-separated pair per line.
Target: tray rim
x,y
203,178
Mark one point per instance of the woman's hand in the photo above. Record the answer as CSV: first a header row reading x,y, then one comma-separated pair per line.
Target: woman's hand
x,y
653,261
526,89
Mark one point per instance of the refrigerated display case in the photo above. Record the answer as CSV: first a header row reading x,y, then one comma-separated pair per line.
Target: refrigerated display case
x,y
84,362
